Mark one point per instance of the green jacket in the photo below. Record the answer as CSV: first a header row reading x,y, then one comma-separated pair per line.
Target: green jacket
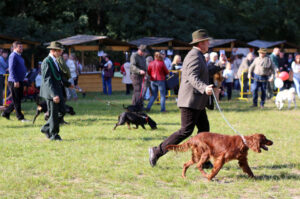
x,y
52,84
64,68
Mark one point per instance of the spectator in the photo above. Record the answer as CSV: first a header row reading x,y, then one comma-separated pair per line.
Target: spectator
x,y
138,70
78,72
177,63
3,71
296,73
213,69
157,71
38,78
289,60
17,72
206,56
228,74
125,71
270,84
70,91
146,86
166,60
235,67
107,74
263,71
243,72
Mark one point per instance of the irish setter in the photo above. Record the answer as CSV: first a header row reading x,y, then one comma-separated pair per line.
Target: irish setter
x,y
222,149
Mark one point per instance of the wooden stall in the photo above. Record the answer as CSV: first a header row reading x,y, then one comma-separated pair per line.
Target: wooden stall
x,y
162,43
6,42
91,81
286,46
228,45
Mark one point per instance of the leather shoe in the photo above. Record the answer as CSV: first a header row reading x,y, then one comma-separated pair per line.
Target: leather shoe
x,y
152,157
5,115
55,137
46,133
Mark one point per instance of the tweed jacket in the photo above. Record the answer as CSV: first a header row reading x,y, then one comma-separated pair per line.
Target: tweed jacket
x,y
194,81
262,66
51,84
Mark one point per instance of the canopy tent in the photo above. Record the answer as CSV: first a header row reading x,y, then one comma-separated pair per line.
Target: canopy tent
x,y
84,43
26,43
288,47
6,42
162,43
227,44
94,43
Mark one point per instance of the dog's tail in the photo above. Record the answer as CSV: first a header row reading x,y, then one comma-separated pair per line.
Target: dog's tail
x,y
179,148
38,111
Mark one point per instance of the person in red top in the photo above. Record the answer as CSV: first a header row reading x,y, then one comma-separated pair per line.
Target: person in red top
x,y
157,71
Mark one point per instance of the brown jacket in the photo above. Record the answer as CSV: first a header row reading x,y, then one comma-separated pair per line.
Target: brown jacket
x,y
194,81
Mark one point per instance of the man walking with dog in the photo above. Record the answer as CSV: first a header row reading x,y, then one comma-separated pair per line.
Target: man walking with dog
x,y
263,71
52,89
138,70
193,96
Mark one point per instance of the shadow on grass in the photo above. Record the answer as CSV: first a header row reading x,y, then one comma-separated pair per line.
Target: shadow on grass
x,y
282,176
277,166
117,138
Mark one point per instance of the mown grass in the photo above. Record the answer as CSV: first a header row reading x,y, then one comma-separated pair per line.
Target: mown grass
x,y
93,161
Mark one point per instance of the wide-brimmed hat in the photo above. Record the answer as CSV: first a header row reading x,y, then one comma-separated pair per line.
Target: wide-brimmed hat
x,y
55,45
143,48
200,35
262,50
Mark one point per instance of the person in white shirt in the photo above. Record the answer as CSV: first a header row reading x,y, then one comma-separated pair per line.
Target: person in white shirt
x,y
296,74
71,92
228,74
125,70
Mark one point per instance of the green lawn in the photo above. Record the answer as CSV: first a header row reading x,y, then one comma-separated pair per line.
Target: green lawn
x,y
93,161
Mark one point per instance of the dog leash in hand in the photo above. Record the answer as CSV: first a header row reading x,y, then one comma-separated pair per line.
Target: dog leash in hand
x,y
219,108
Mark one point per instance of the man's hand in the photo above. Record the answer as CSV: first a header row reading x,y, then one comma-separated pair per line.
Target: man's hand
x,y
249,76
56,99
209,89
17,84
142,72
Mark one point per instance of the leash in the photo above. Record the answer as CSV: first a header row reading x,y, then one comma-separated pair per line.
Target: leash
x,y
219,108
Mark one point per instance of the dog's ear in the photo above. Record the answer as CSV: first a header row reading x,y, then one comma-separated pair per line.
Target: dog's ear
x,y
254,143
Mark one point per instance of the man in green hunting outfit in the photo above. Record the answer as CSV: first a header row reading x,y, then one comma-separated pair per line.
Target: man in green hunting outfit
x,y
52,89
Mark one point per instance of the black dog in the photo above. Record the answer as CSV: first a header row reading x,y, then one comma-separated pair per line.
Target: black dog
x,y
135,118
133,108
42,108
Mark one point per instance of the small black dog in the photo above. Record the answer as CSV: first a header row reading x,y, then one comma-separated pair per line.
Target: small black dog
x,y
133,108
135,118
42,108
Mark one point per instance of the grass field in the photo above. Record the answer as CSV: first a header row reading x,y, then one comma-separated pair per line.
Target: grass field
x,y
93,161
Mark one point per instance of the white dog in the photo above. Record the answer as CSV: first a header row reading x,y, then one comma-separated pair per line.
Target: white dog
x,y
286,95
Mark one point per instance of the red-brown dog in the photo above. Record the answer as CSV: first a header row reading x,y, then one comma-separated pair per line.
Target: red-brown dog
x,y
222,149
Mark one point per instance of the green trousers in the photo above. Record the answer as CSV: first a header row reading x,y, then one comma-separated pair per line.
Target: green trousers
x,y
56,113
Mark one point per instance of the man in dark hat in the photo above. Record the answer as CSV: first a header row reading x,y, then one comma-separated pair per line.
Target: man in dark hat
x,y
52,89
192,98
263,70
138,70
17,72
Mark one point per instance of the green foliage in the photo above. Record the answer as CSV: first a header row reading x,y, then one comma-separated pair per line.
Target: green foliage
x,y
43,20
